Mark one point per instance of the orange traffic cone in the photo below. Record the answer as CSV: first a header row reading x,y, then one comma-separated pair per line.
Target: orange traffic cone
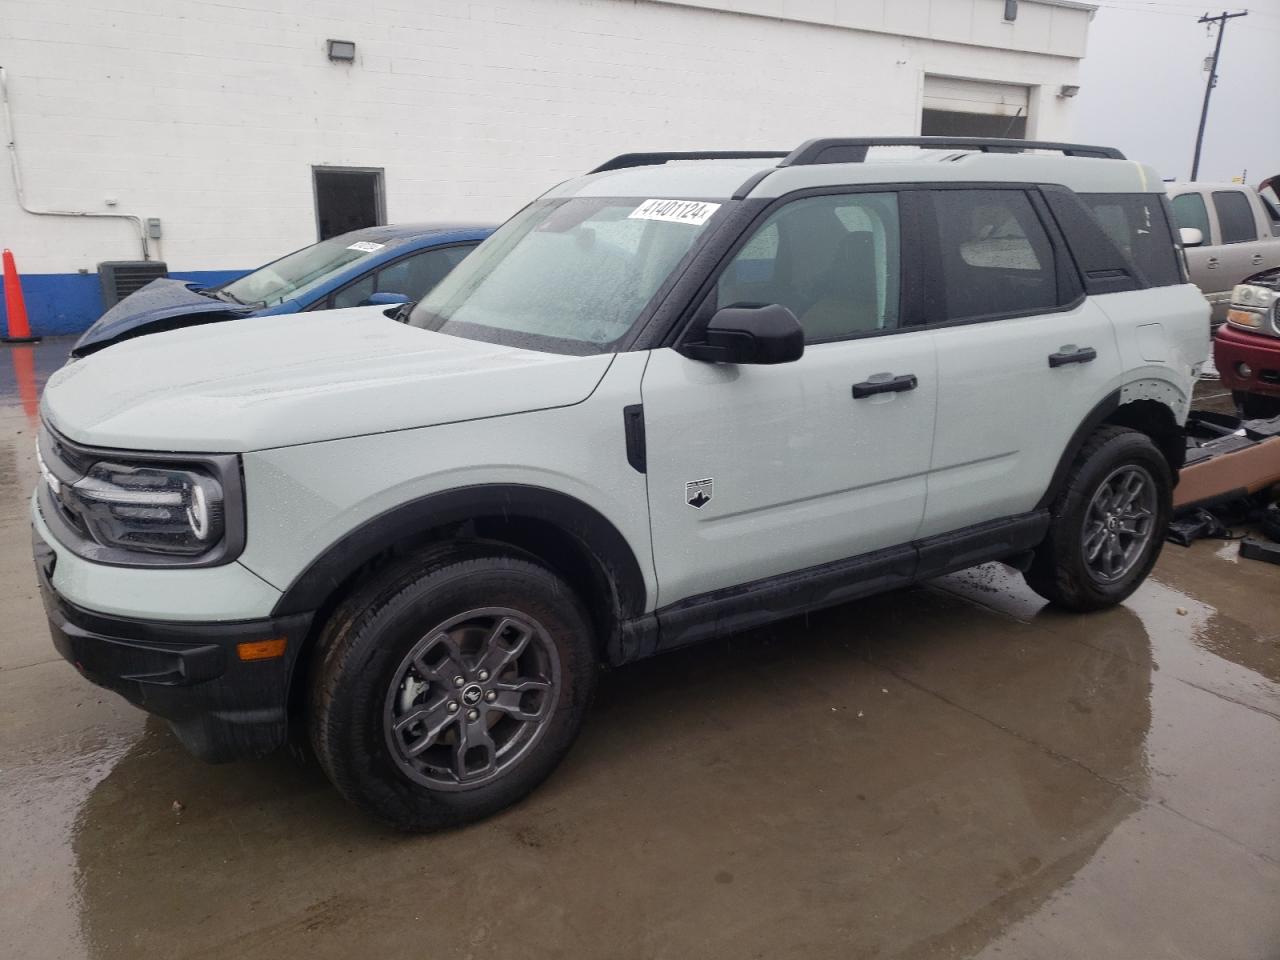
x,y
19,331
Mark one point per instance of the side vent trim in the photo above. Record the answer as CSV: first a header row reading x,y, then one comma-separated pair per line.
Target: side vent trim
x,y
633,424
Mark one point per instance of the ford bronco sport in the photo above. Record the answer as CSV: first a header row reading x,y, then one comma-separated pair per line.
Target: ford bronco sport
x,y
680,396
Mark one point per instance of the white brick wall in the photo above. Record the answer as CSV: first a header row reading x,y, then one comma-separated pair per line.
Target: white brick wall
x,y
210,113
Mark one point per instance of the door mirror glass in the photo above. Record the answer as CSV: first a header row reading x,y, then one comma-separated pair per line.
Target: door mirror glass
x,y
749,334
1190,236
383,298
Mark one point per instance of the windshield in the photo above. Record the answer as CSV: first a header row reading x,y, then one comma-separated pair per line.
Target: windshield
x,y
295,274
566,276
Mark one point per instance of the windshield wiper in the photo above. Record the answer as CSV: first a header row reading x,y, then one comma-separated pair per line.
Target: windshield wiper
x,y
227,297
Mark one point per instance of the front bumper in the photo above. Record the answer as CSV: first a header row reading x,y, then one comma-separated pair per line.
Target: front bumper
x,y
221,707
1259,351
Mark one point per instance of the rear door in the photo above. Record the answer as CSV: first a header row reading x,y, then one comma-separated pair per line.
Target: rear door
x,y
1238,230
1023,357
1248,246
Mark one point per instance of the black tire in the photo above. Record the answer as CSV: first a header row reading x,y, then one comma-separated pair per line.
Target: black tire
x,y
365,644
1059,571
1253,406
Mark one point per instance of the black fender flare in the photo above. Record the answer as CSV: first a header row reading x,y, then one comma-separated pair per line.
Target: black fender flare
x,y
1096,418
586,525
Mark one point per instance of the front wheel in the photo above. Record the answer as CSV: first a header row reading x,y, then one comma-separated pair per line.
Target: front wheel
x,y
451,687
1108,524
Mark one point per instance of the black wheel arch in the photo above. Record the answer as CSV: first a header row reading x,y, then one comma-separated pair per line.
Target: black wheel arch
x,y
567,534
1150,417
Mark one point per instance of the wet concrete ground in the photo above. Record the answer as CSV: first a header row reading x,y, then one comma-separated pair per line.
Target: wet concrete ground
x,y
951,771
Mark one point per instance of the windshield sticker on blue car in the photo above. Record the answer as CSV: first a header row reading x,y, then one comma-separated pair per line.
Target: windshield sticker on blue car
x,y
366,246
693,212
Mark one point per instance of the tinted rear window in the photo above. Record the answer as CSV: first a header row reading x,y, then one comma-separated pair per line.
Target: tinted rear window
x,y
1235,216
1136,223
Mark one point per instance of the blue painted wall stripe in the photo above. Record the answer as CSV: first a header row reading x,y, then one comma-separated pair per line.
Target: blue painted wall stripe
x,y
63,303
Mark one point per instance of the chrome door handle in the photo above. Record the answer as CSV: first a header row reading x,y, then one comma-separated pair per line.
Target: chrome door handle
x,y
1079,355
884,383
1257,259
1211,263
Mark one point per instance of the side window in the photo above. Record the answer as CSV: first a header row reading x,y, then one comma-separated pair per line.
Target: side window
x,y
414,276
1235,216
833,261
1136,223
1189,211
996,256
353,294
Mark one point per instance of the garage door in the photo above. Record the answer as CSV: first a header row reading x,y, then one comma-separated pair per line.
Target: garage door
x,y
973,108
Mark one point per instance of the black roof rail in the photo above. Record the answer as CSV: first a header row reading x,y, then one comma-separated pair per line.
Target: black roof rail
x,y
650,159
854,149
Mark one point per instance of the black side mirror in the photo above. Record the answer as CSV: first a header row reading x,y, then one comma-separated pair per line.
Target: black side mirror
x,y
749,334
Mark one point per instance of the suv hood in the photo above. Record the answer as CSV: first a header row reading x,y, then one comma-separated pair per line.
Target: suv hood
x,y
161,305
300,378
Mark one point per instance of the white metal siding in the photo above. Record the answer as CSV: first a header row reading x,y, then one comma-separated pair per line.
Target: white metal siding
x,y
210,113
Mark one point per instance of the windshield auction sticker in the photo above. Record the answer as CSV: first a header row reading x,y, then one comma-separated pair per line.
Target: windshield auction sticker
x,y
693,212
366,246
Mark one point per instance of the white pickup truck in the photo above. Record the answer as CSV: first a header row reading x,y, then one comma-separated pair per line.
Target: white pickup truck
x,y
1239,235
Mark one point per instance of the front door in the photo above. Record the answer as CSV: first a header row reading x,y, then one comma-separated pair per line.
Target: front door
x,y
755,471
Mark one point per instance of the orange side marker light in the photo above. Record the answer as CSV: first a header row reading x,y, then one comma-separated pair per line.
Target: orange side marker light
x,y
262,649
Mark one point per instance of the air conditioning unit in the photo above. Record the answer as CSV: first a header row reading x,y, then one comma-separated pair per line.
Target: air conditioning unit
x,y
119,278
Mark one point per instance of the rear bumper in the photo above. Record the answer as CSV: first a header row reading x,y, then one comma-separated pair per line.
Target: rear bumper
x,y
221,707
1260,352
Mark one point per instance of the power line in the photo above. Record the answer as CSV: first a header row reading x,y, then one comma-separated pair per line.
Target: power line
x,y
1221,20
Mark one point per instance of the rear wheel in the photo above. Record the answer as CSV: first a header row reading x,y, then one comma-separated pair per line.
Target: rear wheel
x,y
1107,525
451,687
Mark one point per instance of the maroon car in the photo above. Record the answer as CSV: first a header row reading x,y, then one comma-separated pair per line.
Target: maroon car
x,y
1246,348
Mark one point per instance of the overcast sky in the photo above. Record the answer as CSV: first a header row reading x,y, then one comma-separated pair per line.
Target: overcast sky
x,y
1142,84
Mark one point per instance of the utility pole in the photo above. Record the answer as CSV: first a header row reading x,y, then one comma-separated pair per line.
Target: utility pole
x,y
1221,20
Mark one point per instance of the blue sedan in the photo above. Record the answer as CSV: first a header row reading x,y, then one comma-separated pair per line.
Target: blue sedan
x,y
376,265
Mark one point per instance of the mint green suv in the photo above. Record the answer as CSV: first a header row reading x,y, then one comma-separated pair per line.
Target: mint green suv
x,y
680,396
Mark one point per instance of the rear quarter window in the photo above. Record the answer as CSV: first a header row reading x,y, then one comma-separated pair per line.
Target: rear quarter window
x,y
1137,225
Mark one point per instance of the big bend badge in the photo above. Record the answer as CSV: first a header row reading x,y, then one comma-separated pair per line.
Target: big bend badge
x,y
697,493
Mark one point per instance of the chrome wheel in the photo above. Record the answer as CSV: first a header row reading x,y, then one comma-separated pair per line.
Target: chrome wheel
x,y
471,698
1119,523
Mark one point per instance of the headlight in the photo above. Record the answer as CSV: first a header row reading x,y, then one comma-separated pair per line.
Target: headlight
x,y
1252,295
152,509
141,509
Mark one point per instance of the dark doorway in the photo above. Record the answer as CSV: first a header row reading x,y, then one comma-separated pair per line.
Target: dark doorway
x,y
347,198
953,123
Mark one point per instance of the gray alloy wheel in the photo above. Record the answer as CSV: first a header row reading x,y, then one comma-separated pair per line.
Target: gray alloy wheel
x,y
1119,523
471,698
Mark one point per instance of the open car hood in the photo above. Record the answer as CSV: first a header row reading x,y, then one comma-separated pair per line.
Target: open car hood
x,y
163,304
301,378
